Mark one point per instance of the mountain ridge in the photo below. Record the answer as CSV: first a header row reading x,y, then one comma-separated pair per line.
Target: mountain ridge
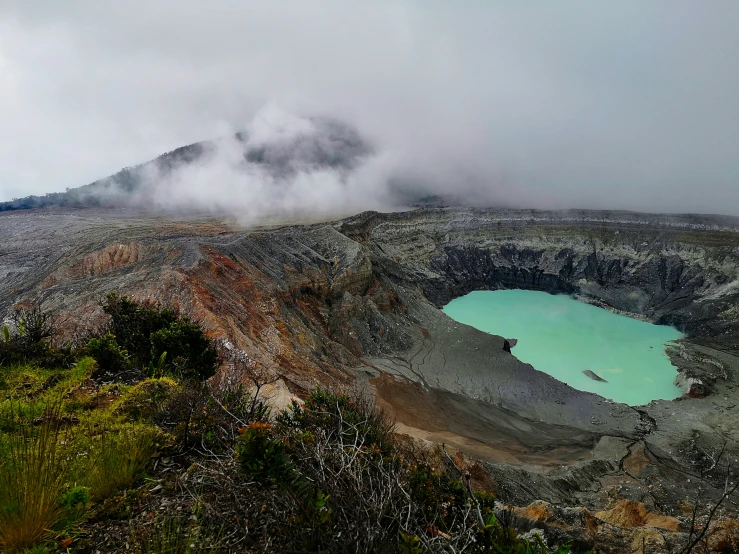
x,y
327,144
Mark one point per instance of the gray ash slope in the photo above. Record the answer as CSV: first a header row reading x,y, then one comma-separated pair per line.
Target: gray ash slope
x,y
359,298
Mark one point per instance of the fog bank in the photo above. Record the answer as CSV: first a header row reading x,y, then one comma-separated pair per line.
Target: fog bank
x,y
626,105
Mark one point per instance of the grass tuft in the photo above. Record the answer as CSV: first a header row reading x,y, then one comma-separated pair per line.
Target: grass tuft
x,y
117,458
32,479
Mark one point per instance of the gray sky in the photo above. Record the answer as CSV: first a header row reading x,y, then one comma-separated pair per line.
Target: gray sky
x,y
629,104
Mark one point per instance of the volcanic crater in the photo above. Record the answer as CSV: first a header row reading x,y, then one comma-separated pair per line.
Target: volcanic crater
x,y
357,303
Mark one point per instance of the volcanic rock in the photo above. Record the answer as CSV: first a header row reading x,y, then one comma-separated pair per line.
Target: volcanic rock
x,y
594,376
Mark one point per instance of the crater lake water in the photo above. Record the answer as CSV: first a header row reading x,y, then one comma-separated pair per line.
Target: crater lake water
x,y
564,337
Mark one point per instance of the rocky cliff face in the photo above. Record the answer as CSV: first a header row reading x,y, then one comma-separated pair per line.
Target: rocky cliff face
x,y
357,301
668,270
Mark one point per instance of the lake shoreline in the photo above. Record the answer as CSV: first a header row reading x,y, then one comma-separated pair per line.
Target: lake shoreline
x,y
570,339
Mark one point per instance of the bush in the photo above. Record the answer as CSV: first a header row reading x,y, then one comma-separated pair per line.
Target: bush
x,y
185,412
262,456
159,339
75,502
437,495
335,414
109,356
188,352
331,477
29,341
350,488
238,405
349,481
132,325
76,497
33,326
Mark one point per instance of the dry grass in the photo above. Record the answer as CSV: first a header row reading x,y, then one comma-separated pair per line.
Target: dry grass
x,y
118,456
32,479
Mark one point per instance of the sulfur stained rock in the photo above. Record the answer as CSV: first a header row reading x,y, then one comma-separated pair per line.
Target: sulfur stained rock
x,y
628,514
114,255
624,528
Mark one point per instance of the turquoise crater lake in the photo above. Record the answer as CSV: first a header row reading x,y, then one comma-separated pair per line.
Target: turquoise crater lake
x,y
564,337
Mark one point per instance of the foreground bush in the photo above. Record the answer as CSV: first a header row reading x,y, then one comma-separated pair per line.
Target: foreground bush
x,y
108,355
263,456
187,351
349,486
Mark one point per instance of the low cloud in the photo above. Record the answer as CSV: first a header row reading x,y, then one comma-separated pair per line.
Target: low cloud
x,y
285,165
626,105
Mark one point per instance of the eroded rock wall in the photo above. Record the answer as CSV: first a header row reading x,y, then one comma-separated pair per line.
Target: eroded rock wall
x,y
667,270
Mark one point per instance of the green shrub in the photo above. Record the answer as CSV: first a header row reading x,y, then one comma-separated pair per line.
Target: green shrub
x,y
241,405
188,351
437,495
486,501
332,412
316,512
75,502
159,339
33,325
348,480
133,323
185,411
109,356
207,418
30,341
76,497
262,456
410,544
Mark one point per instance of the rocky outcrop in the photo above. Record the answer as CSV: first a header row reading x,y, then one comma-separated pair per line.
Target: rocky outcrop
x,y
690,386
625,527
594,376
110,257
629,514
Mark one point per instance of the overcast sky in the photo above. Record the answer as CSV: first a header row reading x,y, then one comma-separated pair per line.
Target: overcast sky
x,y
628,104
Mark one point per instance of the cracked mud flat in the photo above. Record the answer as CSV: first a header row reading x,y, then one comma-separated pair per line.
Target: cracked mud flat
x,y
358,300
